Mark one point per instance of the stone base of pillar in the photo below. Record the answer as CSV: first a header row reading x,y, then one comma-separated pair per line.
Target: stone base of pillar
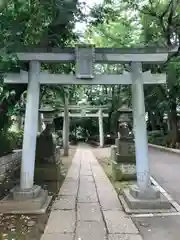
x,y
31,201
18,194
123,171
151,193
134,201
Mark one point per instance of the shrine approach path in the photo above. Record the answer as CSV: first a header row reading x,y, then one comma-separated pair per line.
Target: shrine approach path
x,y
87,206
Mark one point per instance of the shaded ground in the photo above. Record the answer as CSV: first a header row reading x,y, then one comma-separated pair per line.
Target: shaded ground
x,y
30,227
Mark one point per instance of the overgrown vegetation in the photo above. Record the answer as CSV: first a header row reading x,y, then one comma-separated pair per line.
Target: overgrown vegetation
x,y
10,141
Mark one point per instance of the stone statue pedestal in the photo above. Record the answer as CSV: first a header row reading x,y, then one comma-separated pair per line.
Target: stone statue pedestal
x,y
123,159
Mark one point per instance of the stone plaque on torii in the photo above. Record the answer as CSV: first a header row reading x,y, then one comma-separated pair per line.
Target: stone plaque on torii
x,y
85,75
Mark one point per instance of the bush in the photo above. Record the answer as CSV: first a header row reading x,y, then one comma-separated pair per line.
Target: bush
x,y
16,138
10,141
157,137
5,144
156,133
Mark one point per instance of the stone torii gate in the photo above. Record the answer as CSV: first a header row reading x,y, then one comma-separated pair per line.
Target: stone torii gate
x,y
85,57
83,109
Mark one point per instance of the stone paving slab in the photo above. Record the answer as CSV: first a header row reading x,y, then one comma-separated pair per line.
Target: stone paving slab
x,y
109,202
87,192
64,203
73,174
86,173
72,178
61,222
124,237
69,188
87,197
90,231
86,178
89,212
87,187
58,236
106,190
118,222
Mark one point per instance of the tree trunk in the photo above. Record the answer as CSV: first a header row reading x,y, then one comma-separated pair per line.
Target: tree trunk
x,y
152,120
109,122
172,117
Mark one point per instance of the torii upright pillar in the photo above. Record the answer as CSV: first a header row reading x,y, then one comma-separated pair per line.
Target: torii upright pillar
x,y
66,126
140,129
30,197
101,131
30,127
143,195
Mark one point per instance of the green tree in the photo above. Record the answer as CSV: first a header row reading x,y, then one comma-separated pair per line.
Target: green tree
x,y
145,23
31,24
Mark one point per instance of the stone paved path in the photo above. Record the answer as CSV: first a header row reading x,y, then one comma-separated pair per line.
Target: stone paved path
x,y
87,207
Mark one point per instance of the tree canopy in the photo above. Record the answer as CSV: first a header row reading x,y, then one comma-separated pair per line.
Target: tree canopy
x,y
139,24
32,24
128,23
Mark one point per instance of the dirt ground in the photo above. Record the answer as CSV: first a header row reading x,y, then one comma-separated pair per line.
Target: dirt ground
x,y
31,227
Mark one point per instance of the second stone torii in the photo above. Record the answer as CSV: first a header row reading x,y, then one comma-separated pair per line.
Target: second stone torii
x,y
100,115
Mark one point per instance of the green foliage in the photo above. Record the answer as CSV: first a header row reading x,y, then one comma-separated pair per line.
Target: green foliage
x,y
5,143
31,24
16,139
157,137
156,133
145,23
10,141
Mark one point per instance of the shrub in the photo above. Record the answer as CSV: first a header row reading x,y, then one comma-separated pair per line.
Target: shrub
x,y
16,138
5,144
157,137
10,141
156,133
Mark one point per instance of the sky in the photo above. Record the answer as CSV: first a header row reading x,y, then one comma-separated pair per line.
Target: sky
x,y
91,2
80,27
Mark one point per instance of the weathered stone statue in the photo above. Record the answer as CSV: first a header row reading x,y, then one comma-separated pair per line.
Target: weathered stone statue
x,y
46,146
123,130
48,163
123,153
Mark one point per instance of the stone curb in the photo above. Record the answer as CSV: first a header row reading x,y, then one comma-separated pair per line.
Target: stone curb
x,y
177,151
